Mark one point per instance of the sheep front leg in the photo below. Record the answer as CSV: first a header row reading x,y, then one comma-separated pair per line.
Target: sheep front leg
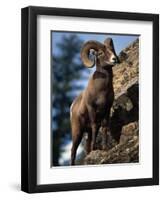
x,y
88,142
106,132
94,135
94,127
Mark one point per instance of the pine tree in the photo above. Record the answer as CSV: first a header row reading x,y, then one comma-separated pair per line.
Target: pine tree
x,y
66,71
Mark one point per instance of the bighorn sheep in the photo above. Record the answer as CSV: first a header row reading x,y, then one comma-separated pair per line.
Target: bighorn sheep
x,y
91,109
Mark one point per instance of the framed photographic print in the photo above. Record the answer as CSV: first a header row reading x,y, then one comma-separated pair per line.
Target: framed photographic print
x,y
90,99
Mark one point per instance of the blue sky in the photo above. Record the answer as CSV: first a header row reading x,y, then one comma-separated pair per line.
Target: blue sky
x,y
120,41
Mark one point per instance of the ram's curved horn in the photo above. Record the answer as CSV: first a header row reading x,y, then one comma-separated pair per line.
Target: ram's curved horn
x,y
92,44
108,42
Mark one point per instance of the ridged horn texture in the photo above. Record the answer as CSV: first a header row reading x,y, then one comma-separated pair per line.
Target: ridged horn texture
x,y
92,44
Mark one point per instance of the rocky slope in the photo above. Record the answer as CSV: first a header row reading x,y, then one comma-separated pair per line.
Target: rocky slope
x,y
123,137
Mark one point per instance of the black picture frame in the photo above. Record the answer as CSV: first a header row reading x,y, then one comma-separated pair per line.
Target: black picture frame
x,y
29,99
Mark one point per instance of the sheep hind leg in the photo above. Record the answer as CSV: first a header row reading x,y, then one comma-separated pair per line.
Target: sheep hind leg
x,y
76,141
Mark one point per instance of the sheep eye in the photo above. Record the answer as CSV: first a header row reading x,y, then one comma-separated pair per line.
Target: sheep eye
x,y
100,53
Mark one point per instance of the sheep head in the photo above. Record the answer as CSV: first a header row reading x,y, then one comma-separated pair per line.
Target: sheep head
x,y
104,54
